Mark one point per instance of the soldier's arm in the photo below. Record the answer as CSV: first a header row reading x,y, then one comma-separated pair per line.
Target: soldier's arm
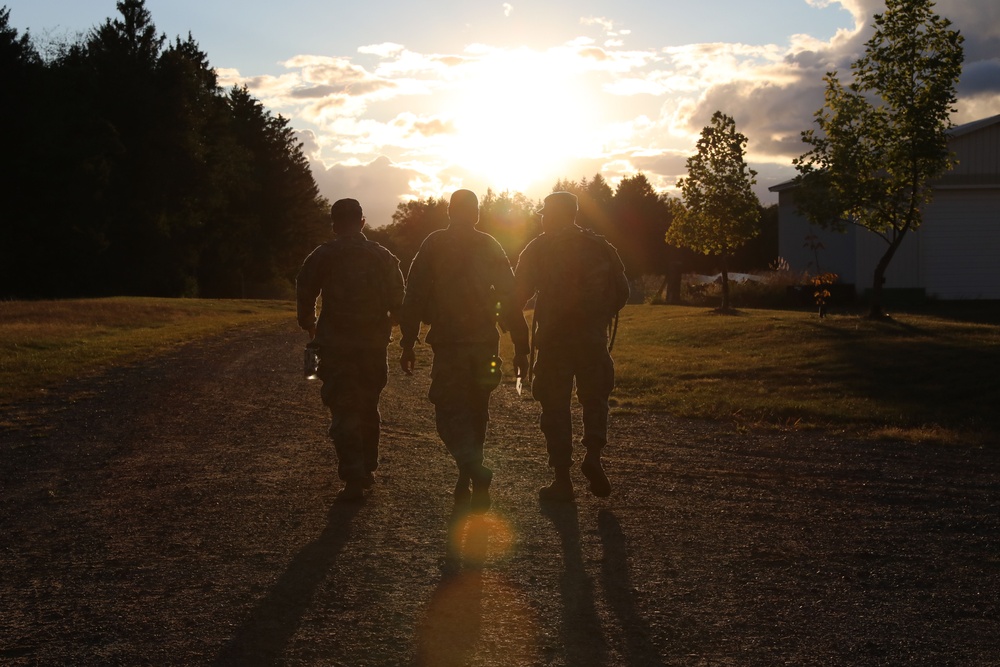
x,y
414,295
307,289
511,311
621,281
395,288
525,276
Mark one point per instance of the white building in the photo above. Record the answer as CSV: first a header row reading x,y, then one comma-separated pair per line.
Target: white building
x,y
955,254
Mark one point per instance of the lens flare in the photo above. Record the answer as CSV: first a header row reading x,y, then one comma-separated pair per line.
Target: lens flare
x,y
476,538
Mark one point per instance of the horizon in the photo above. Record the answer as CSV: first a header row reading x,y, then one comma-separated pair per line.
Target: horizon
x,y
394,104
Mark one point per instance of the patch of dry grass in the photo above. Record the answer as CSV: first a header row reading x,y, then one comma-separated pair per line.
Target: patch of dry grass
x,y
44,342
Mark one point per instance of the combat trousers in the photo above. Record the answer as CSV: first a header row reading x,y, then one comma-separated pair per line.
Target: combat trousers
x,y
462,379
353,380
555,368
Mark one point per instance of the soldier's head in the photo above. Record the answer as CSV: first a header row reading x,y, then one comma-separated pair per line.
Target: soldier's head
x,y
346,216
558,211
464,208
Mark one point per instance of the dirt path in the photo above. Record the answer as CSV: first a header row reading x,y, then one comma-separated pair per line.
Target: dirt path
x,y
181,513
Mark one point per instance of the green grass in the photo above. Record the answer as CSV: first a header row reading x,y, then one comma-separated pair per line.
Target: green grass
x,y
918,375
930,375
44,342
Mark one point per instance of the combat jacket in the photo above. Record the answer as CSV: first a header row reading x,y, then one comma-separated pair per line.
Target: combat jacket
x,y
357,272
579,284
461,284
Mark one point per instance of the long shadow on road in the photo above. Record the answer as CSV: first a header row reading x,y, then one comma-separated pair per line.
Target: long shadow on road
x,y
617,586
264,635
581,632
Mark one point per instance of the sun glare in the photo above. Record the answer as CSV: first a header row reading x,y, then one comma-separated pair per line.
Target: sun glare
x,y
521,118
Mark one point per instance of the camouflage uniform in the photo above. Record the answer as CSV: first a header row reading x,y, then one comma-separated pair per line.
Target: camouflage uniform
x,y
460,282
580,285
351,339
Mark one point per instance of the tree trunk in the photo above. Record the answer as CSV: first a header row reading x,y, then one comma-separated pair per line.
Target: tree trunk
x,y
725,284
876,310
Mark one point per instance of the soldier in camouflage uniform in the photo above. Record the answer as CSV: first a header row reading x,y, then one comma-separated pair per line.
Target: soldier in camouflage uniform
x,y
461,283
362,292
580,285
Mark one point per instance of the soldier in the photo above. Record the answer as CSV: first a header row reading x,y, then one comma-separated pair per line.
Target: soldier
x,y
461,283
580,285
362,292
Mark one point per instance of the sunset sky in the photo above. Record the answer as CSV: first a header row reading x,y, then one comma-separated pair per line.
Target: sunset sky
x,y
396,99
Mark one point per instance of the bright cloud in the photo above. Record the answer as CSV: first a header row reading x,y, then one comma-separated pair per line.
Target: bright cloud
x,y
392,122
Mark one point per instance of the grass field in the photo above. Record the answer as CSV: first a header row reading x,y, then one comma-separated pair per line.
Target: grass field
x,y
916,376
44,342
919,376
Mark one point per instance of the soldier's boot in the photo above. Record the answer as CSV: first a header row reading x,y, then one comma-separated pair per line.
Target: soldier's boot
x,y
592,469
463,493
353,491
561,488
481,477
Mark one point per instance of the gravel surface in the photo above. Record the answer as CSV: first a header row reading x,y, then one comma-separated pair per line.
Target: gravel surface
x,y
180,512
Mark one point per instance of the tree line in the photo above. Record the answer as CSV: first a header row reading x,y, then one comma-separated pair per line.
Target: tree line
x,y
132,172
633,216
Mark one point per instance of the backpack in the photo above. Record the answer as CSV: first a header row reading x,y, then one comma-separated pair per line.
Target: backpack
x,y
579,280
354,287
462,298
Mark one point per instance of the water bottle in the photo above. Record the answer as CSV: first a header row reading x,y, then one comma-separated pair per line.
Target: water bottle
x,y
310,366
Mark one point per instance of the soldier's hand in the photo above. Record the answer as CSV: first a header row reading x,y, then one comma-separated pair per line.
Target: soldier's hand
x,y
407,360
521,365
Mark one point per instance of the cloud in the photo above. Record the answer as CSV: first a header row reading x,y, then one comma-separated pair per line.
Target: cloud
x,y
380,185
508,9
389,121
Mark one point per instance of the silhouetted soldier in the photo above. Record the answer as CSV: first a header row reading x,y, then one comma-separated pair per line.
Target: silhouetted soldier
x,y
580,285
362,291
461,283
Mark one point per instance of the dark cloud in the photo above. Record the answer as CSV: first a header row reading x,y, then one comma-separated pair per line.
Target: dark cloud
x,y
378,185
316,92
372,86
980,78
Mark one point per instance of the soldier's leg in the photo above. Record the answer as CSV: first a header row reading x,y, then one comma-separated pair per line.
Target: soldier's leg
x,y
552,387
595,380
374,379
452,385
339,374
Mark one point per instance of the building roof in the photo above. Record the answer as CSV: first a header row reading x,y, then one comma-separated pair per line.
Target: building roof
x,y
955,132
968,128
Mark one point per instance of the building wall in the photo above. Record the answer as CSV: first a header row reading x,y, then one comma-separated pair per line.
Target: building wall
x,y
955,254
960,244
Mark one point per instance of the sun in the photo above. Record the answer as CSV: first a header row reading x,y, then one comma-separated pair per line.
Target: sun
x,y
521,118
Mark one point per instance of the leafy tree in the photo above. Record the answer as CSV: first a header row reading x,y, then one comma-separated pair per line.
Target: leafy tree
x,y
641,219
510,218
595,198
721,212
883,137
411,223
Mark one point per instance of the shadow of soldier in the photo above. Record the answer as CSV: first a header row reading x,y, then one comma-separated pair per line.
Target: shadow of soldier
x,y
450,630
580,630
617,586
262,638
474,609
